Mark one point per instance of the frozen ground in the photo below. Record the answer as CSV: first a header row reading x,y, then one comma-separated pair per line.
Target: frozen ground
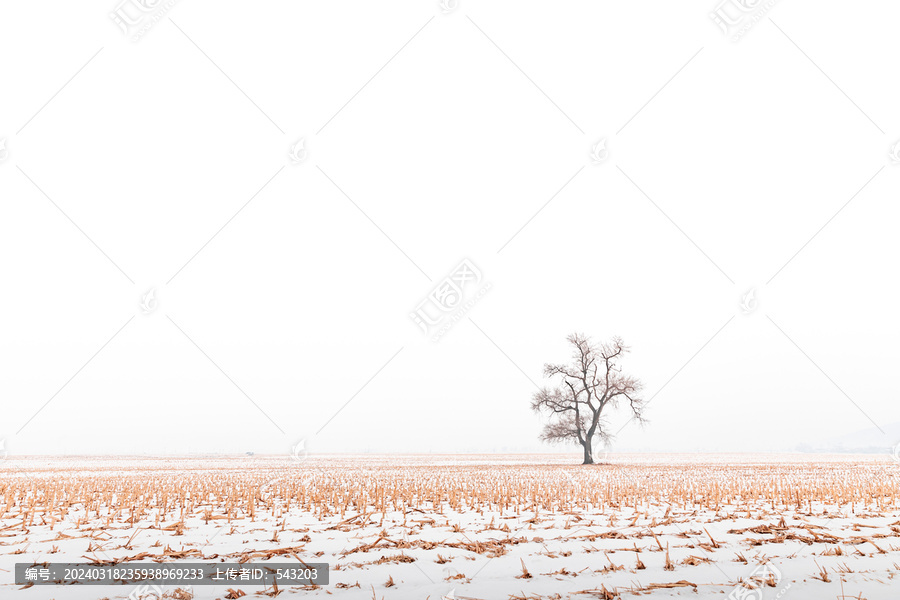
x,y
487,527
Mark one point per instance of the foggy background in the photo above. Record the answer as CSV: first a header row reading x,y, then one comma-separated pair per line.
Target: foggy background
x,y
284,289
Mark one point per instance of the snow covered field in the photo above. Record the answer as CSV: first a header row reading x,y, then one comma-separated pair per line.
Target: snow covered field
x,y
464,526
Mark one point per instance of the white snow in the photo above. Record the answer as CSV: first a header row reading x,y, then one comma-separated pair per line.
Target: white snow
x,y
434,551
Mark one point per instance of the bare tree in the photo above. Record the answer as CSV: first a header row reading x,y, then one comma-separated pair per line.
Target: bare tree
x,y
590,384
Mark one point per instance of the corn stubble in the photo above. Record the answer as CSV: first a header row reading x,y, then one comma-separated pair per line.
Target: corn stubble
x,y
373,502
228,496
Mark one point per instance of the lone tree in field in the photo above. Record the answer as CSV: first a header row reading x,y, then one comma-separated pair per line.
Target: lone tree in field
x,y
590,384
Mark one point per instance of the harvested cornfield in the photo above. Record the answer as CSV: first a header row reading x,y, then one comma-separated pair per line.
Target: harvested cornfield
x,y
526,526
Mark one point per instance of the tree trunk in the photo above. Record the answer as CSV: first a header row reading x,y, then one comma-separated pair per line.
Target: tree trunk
x,y
588,454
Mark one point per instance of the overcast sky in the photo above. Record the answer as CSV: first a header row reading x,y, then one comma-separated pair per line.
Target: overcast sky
x,y
284,275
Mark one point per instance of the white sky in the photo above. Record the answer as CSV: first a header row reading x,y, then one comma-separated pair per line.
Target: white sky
x,y
750,151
